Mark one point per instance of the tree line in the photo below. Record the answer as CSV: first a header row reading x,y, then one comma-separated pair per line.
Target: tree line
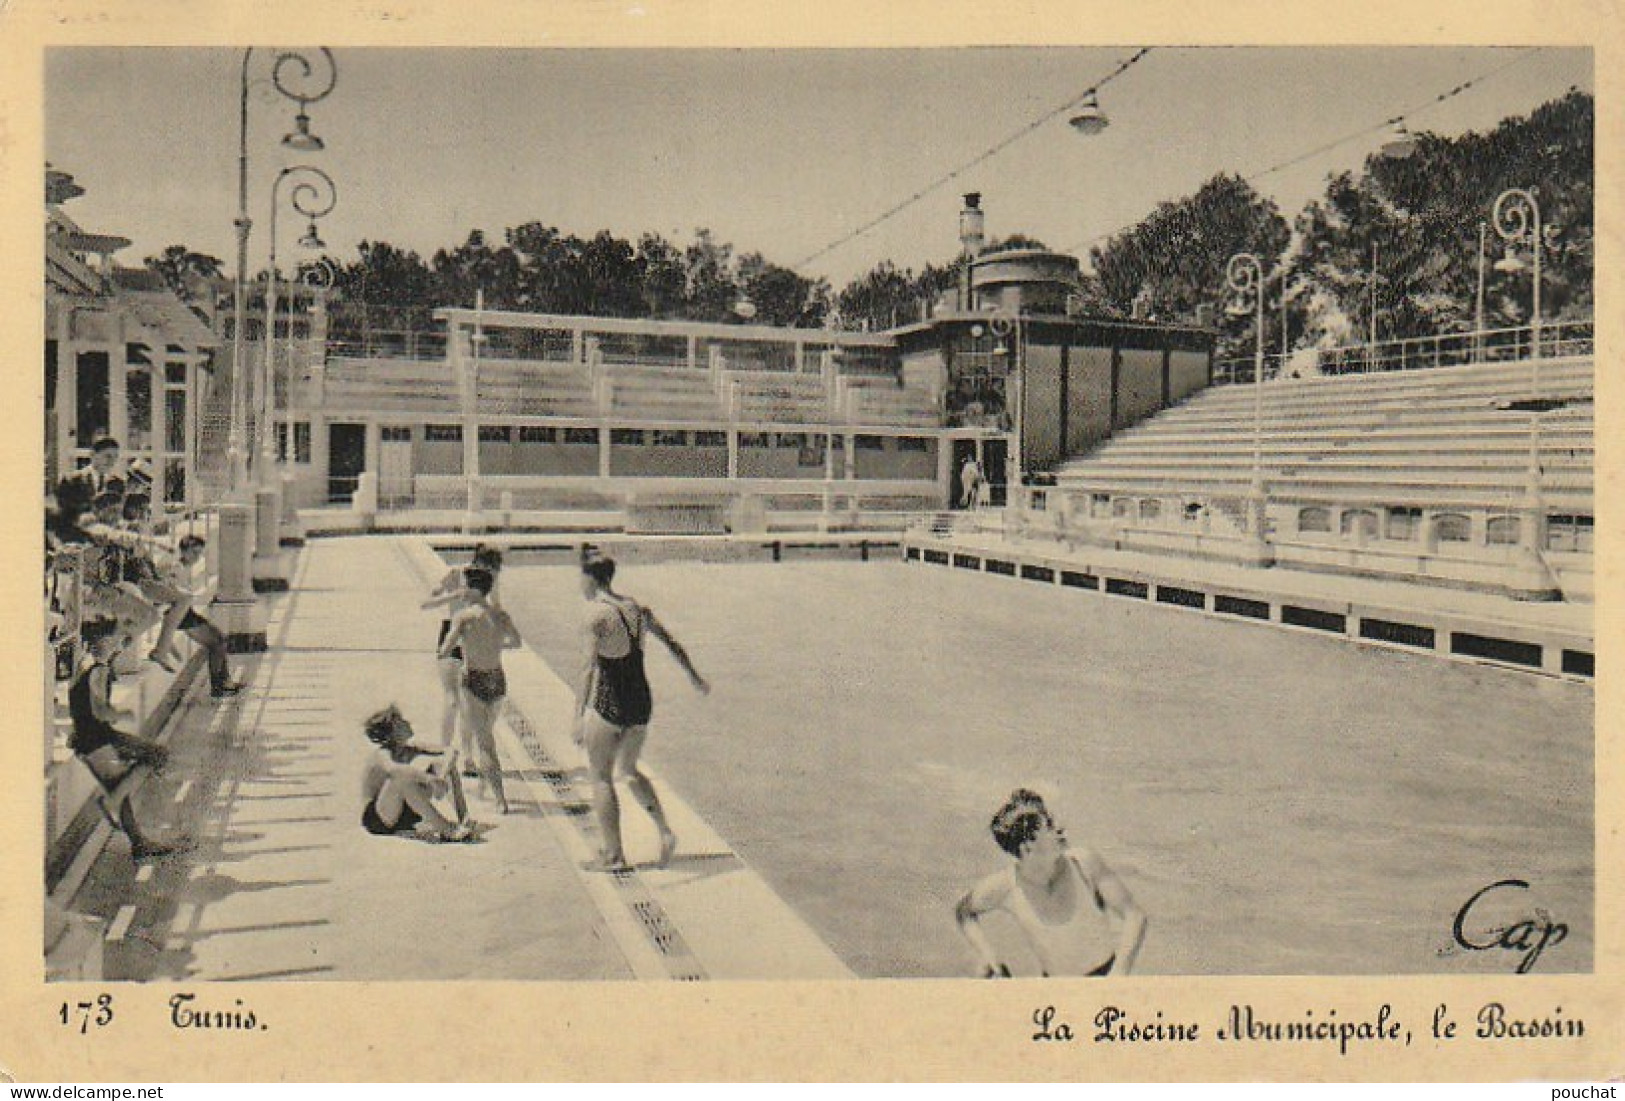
x,y
1419,217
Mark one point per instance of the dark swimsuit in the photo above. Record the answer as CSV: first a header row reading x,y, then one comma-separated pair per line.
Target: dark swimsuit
x,y
408,819
489,685
406,823
620,689
89,732
445,629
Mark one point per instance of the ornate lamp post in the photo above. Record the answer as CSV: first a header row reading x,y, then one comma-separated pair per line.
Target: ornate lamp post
x,y
242,549
294,76
313,196
1245,275
1006,329
1515,215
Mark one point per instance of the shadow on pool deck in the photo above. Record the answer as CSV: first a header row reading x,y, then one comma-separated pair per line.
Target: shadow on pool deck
x,y
283,882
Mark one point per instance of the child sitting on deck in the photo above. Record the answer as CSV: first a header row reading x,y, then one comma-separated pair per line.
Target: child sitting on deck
x,y
399,792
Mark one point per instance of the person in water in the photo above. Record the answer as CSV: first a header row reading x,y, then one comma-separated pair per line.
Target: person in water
x,y
1075,913
613,706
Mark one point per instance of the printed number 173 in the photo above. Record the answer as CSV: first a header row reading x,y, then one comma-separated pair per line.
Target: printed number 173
x,y
98,1013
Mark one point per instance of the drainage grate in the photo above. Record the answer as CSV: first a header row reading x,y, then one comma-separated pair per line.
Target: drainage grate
x,y
1295,616
1401,634
1079,580
1185,598
681,963
994,565
935,557
1237,605
1118,586
1496,649
967,562
912,554
1038,573
655,923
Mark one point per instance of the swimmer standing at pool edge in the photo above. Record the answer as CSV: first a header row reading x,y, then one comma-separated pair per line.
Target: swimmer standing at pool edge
x,y
613,706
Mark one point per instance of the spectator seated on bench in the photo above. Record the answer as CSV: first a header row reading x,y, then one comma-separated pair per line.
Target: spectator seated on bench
x,y
182,615
114,757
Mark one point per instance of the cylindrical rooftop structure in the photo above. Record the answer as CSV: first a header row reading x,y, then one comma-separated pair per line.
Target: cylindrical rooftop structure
x,y
1023,281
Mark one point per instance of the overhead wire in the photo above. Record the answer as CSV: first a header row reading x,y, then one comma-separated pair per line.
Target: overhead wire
x,y
1386,124
985,155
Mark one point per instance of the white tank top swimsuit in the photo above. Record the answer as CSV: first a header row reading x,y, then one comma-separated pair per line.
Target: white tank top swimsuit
x,y
1083,944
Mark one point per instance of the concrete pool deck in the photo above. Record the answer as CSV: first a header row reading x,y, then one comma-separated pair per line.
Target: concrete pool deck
x,y
284,884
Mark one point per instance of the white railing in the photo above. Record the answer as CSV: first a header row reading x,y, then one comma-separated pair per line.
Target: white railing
x,y
1557,338
1460,542
405,344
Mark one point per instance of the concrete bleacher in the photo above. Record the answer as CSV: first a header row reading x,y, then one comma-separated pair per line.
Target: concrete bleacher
x,y
1424,474
386,385
533,388
1448,433
662,394
779,397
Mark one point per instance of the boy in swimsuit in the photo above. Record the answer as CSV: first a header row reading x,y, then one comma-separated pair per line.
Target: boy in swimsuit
x,y
398,793
483,631
613,706
1076,915
112,756
452,593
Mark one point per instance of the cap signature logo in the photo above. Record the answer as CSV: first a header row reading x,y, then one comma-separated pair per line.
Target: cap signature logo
x,y
1531,936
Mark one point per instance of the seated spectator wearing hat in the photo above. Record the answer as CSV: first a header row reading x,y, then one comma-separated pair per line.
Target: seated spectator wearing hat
x,y
76,493
108,566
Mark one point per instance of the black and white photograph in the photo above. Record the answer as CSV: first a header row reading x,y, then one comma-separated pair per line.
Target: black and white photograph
x,y
578,517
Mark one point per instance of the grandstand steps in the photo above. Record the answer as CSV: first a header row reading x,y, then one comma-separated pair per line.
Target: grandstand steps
x,y
888,403
535,388
655,393
1344,414
1512,378
1444,438
1570,433
779,398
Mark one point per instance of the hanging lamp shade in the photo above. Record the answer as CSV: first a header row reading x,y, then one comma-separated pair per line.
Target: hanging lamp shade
x,y
311,239
1510,263
1090,119
1401,143
302,139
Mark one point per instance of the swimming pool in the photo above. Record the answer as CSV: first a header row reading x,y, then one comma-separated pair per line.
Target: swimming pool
x,y
1278,803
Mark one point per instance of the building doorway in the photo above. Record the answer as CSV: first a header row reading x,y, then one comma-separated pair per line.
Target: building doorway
x,y
395,466
995,459
346,459
990,453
